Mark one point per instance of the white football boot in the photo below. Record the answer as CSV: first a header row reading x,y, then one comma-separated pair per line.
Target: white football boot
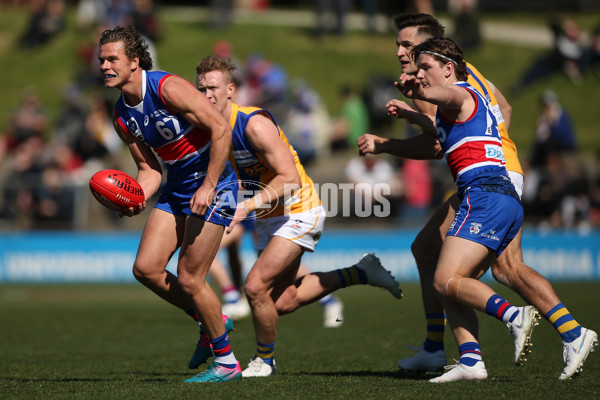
x,y
257,368
521,329
237,310
333,313
424,361
576,352
462,372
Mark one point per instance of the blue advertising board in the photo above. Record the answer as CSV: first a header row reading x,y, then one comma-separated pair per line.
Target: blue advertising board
x,y
59,257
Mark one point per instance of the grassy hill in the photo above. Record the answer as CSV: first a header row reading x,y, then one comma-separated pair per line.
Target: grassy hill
x,y
326,64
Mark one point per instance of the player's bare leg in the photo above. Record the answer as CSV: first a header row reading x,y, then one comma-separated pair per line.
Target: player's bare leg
x,y
510,270
234,302
199,247
333,308
426,250
277,263
461,261
160,239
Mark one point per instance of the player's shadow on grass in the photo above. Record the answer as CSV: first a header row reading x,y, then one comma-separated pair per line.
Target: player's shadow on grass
x,y
377,374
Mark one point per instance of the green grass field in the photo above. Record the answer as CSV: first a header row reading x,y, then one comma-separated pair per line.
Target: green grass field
x,y
123,342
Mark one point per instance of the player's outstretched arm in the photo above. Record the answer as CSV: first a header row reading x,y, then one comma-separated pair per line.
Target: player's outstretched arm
x,y
419,147
449,97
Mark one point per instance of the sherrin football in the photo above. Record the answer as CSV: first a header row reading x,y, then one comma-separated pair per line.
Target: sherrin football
x,y
116,189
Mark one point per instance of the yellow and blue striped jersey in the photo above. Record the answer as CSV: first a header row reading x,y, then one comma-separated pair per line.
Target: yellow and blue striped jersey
x,y
478,81
254,172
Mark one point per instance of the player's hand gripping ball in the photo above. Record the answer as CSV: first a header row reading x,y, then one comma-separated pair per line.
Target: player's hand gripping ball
x,y
116,189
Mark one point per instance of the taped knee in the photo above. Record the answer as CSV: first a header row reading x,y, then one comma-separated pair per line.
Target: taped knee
x,y
452,288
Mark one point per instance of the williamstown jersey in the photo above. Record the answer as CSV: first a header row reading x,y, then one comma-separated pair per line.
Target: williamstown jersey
x,y
254,172
183,147
478,81
473,148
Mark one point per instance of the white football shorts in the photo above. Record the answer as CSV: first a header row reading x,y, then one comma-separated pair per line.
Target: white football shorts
x,y
304,228
517,181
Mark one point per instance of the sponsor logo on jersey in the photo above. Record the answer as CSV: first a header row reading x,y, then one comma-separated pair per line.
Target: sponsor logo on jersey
x,y
494,152
244,158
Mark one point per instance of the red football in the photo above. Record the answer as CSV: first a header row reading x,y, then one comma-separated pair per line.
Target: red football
x,y
116,190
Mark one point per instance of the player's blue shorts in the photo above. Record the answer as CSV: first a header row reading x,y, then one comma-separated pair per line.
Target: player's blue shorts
x,y
248,223
221,210
490,218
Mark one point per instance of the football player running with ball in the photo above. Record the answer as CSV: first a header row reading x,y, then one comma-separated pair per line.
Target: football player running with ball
x,y
162,113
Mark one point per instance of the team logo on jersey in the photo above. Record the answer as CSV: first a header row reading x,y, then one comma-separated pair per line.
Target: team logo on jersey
x,y
317,236
475,228
133,126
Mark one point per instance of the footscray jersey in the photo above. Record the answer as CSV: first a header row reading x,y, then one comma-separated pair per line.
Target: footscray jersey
x,y
183,147
473,148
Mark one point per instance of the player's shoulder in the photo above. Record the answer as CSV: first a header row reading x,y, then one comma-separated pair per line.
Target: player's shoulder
x,y
473,72
249,110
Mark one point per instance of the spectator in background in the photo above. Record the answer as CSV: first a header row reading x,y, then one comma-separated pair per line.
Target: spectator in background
x,y
117,13
46,21
554,133
417,185
221,13
567,55
373,180
70,123
466,23
594,52
594,196
29,120
54,199
307,122
145,20
267,84
352,122
340,10
23,168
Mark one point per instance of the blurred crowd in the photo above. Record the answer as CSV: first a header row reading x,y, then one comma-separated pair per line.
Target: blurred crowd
x,y
45,166
46,162
573,52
